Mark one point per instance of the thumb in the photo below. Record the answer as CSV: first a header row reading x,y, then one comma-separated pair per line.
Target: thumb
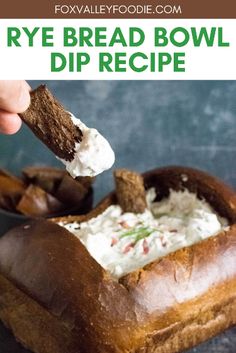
x,y
14,96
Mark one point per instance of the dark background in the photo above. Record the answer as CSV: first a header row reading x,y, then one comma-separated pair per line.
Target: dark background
x,y
149,124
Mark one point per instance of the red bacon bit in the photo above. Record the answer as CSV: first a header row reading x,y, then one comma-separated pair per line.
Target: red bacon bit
x,y
173,231
145,247
124,224
128,247
114,241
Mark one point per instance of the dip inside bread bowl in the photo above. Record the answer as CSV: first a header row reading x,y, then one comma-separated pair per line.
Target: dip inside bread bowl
x,y
183,207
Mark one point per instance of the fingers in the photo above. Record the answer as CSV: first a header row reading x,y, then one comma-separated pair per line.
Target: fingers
x,y
14,96
10,123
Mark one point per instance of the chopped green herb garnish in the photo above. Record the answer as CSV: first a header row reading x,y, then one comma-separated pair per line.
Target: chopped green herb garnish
x,y
138,233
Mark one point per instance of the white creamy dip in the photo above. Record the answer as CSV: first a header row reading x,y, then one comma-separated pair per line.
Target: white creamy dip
x,y
123,242
93,154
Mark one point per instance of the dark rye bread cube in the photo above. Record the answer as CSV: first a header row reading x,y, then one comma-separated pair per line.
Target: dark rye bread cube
x,y
71,191
86,181
38,203
52,124
130,191
11,190
47,178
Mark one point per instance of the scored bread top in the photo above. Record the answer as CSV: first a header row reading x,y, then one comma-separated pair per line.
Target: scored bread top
x,y
52,266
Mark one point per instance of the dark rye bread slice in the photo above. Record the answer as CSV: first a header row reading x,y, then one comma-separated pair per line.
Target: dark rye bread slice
x,y
52,124
130,191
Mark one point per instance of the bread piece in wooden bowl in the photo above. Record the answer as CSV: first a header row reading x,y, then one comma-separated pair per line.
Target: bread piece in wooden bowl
x,y
56,298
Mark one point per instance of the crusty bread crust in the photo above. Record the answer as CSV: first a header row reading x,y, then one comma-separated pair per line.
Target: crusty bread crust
x,y
169,305
32,325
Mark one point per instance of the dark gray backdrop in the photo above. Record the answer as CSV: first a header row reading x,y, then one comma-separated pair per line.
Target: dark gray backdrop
x,y
149,124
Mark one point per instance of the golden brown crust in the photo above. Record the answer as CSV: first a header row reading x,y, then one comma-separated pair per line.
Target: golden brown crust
x,y
158,309
34,326
185,275
51,123
130,191
188,333
67,281
219,195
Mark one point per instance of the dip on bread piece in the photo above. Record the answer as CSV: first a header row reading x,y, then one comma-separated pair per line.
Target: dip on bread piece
x,y
84,151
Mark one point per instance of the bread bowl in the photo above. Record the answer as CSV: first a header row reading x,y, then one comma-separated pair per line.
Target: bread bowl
x,y
57,299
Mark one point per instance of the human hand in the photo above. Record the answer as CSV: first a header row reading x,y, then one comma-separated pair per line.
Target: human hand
x,y
14,99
